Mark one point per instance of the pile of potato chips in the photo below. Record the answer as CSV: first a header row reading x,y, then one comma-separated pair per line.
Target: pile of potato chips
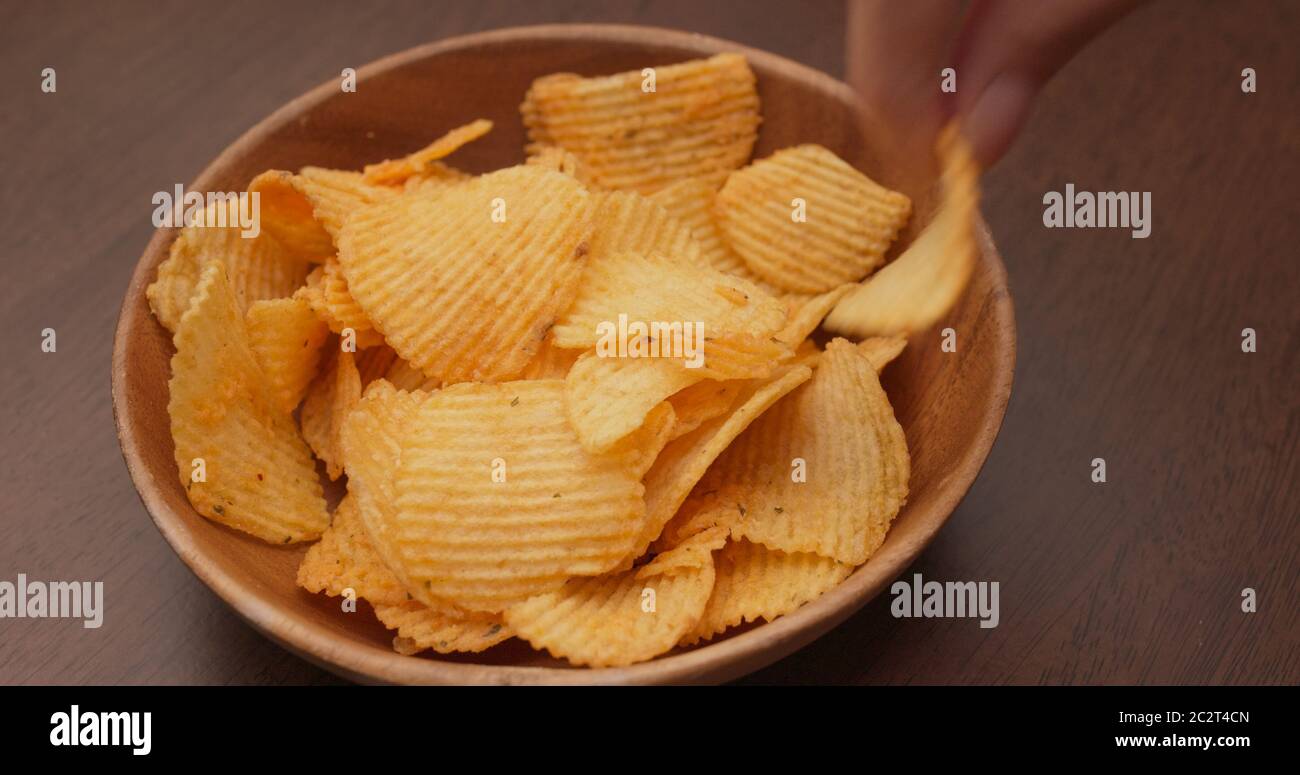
x,y
438,340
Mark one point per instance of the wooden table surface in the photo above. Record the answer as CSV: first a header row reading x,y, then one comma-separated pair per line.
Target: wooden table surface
x,y
1129,350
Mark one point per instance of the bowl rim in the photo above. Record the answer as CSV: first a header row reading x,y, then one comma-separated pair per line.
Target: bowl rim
x,y
718,661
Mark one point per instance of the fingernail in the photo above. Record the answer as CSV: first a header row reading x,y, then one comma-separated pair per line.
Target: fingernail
x,y
991,124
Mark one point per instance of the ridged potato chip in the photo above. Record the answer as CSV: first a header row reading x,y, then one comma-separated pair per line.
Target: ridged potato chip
x,y
336,194
825,470
691,202
497,501
343,559
550,362
642,447
559,160
627,222
286,214
286,338
329,399
239,456
692,552
700,119
459,292
327,293
701,402
621,618
608,398
404,376
258,267
444,629
754,582
806,221
398,171
882,350
681,464
807,312
919,287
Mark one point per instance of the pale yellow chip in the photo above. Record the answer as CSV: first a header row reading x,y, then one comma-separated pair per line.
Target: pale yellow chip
x,y
329,399
627,222
825,470
681,464
404,376
466,283
286,214
497,500
444,629
258,267
343,563
336,194
806,221
286,337
641,448
691,201
239,456
701,402
559,160
919,287
621,618
690,553
327,293
807,312
396,171
882,350
754,582
700,119
550,362
607,398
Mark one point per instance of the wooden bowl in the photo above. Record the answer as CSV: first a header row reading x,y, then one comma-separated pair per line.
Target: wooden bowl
x,y
950,405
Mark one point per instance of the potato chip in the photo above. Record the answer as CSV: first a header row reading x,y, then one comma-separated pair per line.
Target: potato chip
x,y
700,513
559,160
435,178
691,201
824,470
550,362
681,464
881,350
287,215
497,501
690,553
641,448
621,618
466,283
257,267
628,222
396,171
607,398
919,287
806,313
336,194
327,293
286,338
343,563
701,402
805,220
374,363
638,132
404,376
329,399
239,456
443,629
754,582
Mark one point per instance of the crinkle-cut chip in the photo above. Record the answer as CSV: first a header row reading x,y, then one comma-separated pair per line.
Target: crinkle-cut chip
x,y
371,450
849,220
700,512
855,469
257,474
436,177
336,194
397,171
806,313
607,398
681,464
691,202
882,350
444,629
701,402
374,363
329,399
919,287
286,337
641,447
404,376
628,222
344,560
466,283
620,618
286,214
807,353
754,582
550,362
498,502
257,268
559,160
327,293
623,293
690,553
700,120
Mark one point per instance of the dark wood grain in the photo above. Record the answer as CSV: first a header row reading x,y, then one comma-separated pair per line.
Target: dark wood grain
x,y
1128,349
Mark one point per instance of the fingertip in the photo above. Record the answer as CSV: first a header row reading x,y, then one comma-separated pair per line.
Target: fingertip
x,y
993,120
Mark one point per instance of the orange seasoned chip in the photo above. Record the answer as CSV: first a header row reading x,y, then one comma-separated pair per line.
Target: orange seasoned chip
x,y
691,201
825,470
336,194
918,288
465,284
642,131
343,563
239,455
329,399
286,337
806,221
286,214
396,171
327,293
